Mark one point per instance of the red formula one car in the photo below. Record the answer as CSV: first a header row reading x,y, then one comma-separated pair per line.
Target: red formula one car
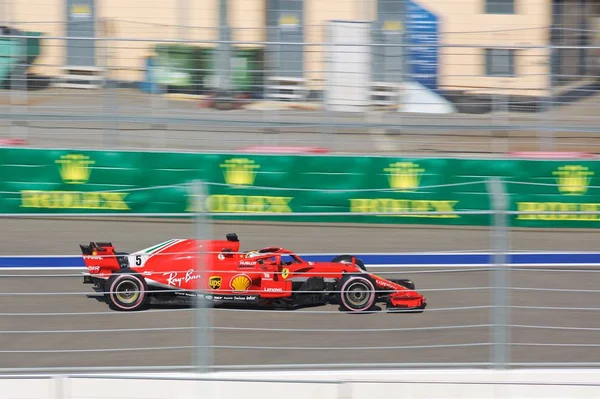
x,y
270,276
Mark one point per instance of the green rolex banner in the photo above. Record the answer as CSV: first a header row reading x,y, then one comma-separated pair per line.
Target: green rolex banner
x,y
284,188
55,181
344,189
556,187
74,171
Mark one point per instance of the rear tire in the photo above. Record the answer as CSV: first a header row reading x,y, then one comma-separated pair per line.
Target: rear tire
x,y
126,292
348,259
356,293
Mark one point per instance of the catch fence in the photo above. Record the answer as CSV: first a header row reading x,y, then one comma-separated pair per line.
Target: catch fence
x,y
500,312
492,93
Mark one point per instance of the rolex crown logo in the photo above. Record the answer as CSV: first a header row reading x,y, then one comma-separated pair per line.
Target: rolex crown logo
x,y
573,179
75,168
404,176
239,171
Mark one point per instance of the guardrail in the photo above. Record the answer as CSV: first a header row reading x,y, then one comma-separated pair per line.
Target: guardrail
x,y
358,384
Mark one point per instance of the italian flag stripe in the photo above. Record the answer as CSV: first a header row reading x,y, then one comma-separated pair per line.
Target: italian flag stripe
x,y
158,247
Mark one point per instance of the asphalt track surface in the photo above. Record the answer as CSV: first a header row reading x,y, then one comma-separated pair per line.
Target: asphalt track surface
x,y
46,321
456,315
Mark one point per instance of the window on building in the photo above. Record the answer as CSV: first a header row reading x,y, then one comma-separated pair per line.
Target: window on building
x,y
499,6
499,62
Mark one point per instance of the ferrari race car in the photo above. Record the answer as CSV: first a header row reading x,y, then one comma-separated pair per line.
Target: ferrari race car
x,y
216,271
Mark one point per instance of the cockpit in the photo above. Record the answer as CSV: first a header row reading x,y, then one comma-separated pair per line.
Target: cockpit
x,y
252,254
270,255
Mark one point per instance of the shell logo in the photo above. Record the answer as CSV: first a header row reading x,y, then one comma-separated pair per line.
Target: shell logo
x,y
240,283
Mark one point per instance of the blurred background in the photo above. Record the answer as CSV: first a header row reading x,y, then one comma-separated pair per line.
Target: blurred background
x,y
467,76
110,109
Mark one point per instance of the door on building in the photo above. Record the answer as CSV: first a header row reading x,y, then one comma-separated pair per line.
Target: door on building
x,y
570,21
388,33
285,25
81,28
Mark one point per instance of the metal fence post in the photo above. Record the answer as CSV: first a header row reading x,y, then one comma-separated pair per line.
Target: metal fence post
x,y
499,275
17,86
111,97
183,12
329,132
223,60
203,340
547,139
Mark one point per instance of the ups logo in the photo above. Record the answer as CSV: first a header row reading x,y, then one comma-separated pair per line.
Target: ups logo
x,y
215,282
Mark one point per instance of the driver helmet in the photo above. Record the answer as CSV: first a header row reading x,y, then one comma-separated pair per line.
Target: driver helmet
x,y
252,254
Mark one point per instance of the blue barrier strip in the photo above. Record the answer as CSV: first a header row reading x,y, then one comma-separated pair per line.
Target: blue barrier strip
x,y
414,259
41,262
422,259
555,258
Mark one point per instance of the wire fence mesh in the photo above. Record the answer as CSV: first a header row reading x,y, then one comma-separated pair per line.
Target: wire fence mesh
x,y
495,92
501,85
48,322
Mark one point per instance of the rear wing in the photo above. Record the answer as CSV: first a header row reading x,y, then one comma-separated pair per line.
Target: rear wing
x,y
103,255
96,247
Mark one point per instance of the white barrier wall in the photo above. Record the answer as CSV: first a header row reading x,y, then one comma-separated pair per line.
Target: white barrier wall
x,y
522,384
28,388
89,388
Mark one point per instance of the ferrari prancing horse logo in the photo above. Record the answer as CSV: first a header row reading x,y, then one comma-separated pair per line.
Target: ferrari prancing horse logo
x,y
215,282
285,273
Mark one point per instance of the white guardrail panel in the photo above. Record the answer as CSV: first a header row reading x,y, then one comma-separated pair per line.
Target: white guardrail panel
x,y
29,388
91,388
358,384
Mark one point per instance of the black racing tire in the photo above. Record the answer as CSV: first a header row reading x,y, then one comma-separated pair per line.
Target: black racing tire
x,y
404,282
348,259
356,293
126,291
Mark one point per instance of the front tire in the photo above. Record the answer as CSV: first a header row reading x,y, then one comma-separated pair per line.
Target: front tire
x,y
356,294
126,292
